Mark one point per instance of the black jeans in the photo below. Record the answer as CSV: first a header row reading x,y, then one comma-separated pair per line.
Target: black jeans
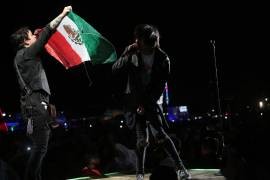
x,y
151,119
40,135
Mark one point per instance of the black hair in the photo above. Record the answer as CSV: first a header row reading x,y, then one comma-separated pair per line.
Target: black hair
x,y
149,34
18,37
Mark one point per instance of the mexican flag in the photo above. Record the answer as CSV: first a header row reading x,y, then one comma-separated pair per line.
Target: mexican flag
x,y
76,41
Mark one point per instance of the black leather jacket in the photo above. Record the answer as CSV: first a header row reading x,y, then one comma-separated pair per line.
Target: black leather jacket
x,y
129,66
30,66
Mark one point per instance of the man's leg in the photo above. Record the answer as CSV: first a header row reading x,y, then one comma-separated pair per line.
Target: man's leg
x,y
40,138
165,141
38,151
141,146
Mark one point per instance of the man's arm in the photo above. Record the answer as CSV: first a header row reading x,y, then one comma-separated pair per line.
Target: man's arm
x,y
124,59
44,36
120,64
54,23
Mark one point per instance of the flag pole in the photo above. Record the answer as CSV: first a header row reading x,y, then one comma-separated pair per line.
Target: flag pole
x,y
87,74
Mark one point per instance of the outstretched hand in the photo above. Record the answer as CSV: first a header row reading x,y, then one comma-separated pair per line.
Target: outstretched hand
x,y
54,23
66,10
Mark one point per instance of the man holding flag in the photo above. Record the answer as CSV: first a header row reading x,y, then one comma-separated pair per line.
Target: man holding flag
x,y
35,90
75,41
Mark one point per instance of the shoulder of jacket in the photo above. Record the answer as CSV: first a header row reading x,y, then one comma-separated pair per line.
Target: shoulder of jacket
x,y
163,54
19,55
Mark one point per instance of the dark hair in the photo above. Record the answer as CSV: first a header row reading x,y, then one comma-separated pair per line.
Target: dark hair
x,y
18,37
149,34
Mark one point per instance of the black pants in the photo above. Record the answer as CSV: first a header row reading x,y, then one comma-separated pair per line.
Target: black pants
x,y
151,119
40,135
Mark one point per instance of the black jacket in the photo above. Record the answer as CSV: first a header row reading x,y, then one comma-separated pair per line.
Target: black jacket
x,y
129,66
30,66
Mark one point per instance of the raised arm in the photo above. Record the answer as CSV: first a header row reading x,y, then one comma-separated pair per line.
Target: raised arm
x,y
46,33
54,23
124,59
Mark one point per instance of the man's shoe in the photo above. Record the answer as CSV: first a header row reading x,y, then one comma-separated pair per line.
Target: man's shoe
x,y
183,174
139,177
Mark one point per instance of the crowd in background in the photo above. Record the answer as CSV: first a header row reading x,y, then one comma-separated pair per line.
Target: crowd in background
x,y
236,145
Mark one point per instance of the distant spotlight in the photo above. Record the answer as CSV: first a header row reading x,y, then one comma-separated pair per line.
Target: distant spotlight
x,y
121,121
261,104
4,114
28,148
226,117
121,126
266,99
173,120
90,125
261,114
213,110
65,124
9,115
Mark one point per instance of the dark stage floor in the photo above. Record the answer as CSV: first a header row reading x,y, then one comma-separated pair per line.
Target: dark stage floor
x,y
197,174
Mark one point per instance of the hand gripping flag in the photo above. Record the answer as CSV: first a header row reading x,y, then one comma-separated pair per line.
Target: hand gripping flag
x,y
75,41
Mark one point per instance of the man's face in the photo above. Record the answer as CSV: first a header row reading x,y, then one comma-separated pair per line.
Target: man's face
x,y
145,48
31,39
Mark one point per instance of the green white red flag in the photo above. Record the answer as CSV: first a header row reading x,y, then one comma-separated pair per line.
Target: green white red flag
x,y
75,41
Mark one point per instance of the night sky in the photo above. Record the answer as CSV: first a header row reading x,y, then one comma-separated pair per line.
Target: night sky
x,y
241,35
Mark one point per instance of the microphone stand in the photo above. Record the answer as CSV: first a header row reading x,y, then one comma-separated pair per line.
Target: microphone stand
x,y
216,75
220,117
